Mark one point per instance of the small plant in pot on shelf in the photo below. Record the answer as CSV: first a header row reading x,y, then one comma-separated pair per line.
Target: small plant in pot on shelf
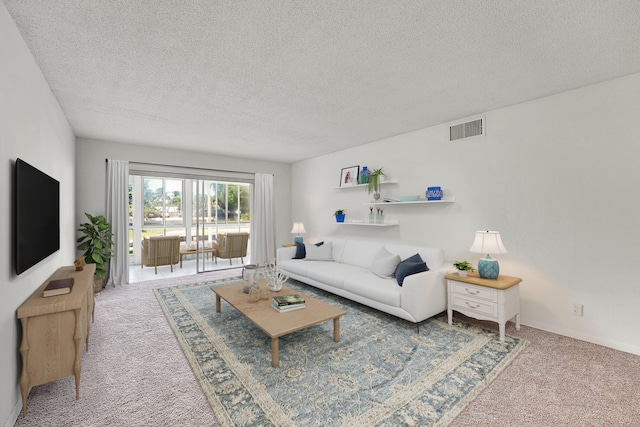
x,y
339,214
463,267
373,186
96,243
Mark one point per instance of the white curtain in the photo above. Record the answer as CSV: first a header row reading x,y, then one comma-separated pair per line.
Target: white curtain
x,y
263,243
118,216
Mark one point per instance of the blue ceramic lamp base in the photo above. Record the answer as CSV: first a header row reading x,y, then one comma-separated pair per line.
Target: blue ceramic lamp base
x,y
488,268
297,239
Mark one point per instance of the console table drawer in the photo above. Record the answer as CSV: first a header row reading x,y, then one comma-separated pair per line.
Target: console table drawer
x,y
475,292
478,306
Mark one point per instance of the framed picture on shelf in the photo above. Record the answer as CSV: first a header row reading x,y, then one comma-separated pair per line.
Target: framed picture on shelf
x,y
349,176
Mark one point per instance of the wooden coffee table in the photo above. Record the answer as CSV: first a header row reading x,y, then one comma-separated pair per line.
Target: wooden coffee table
x,y
274,323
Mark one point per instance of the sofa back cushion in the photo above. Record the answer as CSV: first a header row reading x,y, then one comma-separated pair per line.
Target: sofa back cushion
x,y
360,252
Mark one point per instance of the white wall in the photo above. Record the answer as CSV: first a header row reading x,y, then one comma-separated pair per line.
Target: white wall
x,y
91,174
558,177
33,128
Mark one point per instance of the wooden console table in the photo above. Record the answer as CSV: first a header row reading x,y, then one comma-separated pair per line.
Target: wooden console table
x,y
54,329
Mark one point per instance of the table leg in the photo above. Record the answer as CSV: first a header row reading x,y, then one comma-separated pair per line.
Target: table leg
x,y
502,330
217,303
77,363
275,362
518,322
336,329
24,377
450,315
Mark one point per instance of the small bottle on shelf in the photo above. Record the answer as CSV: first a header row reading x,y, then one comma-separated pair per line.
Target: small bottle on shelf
x,y
364,175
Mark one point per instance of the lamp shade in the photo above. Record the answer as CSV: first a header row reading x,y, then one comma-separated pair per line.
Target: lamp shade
x,y
298,228
488,242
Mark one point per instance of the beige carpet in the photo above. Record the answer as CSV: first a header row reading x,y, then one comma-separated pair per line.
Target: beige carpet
x,y
135,374
559,381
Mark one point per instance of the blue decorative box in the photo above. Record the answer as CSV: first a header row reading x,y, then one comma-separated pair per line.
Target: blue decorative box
x,y
434,193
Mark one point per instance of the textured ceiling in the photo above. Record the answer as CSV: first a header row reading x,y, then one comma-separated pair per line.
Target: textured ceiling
x,y
288,80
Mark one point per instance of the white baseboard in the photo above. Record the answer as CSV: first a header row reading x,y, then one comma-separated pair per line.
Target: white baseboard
x,y
15,413
616,345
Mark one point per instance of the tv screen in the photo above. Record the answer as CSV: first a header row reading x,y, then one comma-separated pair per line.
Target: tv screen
x,y
37,216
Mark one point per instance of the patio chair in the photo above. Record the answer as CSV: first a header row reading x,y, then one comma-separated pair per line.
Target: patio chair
x,y
160,250
232,245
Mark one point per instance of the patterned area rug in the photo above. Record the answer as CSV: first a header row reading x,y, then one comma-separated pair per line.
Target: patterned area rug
x,y
384,372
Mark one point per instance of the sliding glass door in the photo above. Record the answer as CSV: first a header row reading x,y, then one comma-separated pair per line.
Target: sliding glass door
x,y
197,210
218,207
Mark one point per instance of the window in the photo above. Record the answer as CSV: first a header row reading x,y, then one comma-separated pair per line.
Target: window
x,y
160,206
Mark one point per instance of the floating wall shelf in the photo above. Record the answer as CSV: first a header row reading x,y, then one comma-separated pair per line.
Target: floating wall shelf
x,y
386,223
449,199
386,181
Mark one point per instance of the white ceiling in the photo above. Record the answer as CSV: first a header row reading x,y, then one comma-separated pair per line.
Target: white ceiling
x,y
288,80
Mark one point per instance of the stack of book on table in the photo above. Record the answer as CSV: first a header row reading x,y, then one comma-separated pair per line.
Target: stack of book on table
x,y
284,303
58,287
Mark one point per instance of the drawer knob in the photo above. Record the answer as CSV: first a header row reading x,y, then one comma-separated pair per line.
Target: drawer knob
x,y
472,306
471,292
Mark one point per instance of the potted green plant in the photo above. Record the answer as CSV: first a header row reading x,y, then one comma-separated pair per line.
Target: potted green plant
x,y
463,267
373,186
339,214
96,244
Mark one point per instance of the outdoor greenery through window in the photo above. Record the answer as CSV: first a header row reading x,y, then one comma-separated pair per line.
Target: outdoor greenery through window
x,y
186,207
220,201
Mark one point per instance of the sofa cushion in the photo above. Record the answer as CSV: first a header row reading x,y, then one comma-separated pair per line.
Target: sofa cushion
x,y
385,291
296,266
412,265
333,273
338,248
319,252
360,252
384,264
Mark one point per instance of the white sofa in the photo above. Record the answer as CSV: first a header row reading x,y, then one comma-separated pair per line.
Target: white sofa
x,y
349,274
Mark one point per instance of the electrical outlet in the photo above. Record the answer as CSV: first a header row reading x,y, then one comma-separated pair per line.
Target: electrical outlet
x,y
577,309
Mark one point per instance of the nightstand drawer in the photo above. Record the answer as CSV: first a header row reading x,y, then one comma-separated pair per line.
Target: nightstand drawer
x,y
485,299
469,290
466,304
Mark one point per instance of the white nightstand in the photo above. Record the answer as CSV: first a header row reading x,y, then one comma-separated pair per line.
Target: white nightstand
x,y
485,299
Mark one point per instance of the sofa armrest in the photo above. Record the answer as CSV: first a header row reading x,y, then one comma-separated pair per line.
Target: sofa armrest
x,y
424,294
285,253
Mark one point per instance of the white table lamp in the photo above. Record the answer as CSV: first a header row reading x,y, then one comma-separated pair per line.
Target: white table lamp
x,y
298,229
488,242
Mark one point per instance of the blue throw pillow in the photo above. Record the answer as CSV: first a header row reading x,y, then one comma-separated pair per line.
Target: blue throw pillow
x,y
301,252
412,265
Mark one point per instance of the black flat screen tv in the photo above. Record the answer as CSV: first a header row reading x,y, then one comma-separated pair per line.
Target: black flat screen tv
x,y
37,216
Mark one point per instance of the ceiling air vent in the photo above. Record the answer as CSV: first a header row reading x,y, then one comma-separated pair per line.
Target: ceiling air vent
x,y
467,129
